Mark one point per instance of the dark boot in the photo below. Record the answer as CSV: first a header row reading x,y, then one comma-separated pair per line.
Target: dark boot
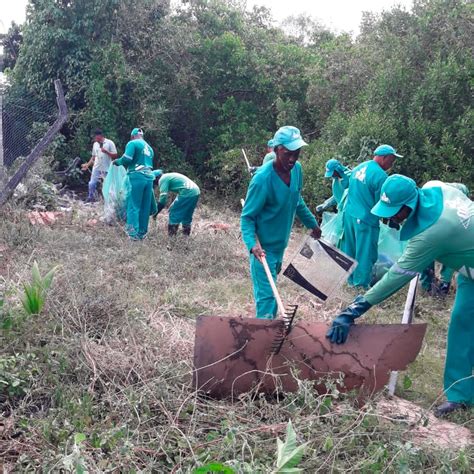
x,y
448,407
186,230
172,229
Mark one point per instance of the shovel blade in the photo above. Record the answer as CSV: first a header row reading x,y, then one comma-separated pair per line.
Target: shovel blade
x,y
234,356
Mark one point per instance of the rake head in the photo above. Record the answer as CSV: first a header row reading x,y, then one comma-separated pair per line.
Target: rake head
x,y
284,329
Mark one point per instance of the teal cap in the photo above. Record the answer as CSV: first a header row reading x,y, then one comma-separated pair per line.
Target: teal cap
x,y
136,131
397,191
157,173
331,166
270,143
289,137
384,150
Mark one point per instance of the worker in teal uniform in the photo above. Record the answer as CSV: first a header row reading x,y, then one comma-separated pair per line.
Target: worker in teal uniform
x,y
340,175
361,228
440,287
182,209
438,222
273,199
138,161
270,153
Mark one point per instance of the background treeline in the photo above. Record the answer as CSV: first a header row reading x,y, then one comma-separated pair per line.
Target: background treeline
x,y
208,78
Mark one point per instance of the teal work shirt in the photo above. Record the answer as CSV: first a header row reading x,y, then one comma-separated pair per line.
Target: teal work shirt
x,y
138,156
449,240
177,183
270,208
339,186
365,184
269,157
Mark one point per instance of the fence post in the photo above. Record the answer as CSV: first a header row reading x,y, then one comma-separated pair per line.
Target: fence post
x,y
31,159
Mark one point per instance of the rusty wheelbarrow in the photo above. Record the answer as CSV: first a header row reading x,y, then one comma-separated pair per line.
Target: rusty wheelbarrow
x,y
237,356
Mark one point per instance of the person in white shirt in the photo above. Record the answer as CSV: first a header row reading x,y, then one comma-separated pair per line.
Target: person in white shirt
x,y
103,152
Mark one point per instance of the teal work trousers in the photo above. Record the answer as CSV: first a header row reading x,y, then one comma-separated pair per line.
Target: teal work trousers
x,y
360,242
265,303
182,210
139,204
459,368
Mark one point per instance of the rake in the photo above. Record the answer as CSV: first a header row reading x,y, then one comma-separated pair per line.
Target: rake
x,y
288,315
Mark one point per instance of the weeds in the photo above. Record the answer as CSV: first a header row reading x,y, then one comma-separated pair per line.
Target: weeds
x,y
102,381
35,292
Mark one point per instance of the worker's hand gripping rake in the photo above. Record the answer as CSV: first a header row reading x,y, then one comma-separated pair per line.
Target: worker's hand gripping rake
x,y
287,315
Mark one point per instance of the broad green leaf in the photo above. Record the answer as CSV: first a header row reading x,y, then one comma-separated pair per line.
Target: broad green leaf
x,y
288,454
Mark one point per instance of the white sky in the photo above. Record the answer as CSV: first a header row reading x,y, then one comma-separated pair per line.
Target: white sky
x,y
339,15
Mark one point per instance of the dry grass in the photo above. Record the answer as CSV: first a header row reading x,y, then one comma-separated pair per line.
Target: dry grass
x,y
110,357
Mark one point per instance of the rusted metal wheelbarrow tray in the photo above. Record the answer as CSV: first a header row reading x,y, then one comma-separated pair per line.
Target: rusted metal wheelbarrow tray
x,y
232,355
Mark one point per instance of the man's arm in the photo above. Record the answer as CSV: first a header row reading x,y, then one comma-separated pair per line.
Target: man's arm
x,y
128,155
307,218
416,257
330,202
418,254
112,153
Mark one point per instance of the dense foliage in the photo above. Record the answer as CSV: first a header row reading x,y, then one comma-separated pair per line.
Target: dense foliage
x,y
208,78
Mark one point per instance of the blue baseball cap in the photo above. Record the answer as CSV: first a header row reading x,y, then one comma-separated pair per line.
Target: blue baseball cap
x,y
136,131
331,166
157,173
384,150
396,192
289,137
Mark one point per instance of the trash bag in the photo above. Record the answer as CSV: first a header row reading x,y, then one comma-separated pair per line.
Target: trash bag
x,y
332,227
390,249
116,189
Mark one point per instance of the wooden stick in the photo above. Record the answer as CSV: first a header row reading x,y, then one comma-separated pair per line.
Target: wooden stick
x,y
406,319
281,307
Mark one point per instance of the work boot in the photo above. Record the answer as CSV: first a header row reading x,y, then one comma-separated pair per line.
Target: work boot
x,y
448,407
186,230
172,229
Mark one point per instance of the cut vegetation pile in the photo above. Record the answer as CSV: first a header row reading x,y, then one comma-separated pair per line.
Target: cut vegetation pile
x,y
100,379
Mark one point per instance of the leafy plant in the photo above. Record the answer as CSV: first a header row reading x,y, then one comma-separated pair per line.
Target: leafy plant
x,y
214,467
35,292
288,453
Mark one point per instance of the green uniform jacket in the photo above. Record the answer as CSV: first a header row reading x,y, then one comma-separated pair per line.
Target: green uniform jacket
x,y
270,208
179,184
365,184
339,186
138,156
449,240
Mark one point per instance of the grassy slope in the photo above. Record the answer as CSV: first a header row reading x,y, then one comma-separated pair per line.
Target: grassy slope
x,y
110,357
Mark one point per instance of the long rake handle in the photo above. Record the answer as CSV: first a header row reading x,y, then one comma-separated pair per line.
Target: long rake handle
x,y
281,308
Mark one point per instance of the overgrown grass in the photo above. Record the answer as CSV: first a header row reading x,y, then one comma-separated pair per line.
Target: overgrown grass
x,y
101,380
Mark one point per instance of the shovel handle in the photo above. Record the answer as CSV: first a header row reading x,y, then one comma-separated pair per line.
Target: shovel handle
x,y
281,308
246,161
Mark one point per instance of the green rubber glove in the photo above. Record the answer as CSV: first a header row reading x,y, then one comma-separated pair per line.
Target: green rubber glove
x,y
341,325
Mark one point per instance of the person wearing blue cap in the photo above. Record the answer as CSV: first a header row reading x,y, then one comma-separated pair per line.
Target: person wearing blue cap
x,y
438,222
273,199
270,153
432,285
361,228
182,209
138,161
340,175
